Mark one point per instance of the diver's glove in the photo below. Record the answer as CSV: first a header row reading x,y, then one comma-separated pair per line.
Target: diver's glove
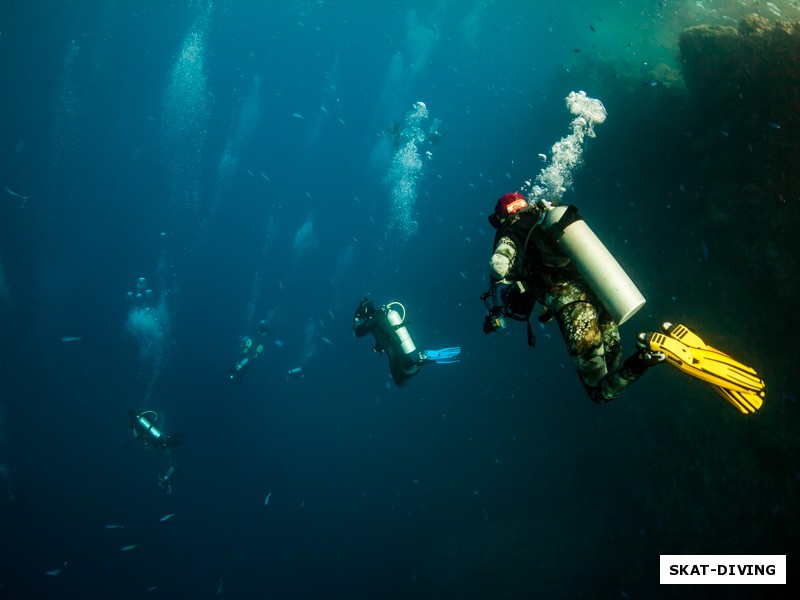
x,y
444,356
503,257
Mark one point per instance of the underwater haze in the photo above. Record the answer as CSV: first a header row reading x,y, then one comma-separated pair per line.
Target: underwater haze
x,y
173,173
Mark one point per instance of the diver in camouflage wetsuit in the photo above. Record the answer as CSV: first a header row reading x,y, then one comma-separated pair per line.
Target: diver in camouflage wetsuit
x,y
530,261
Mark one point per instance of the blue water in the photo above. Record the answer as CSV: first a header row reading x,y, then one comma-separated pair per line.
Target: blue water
x,y
235,154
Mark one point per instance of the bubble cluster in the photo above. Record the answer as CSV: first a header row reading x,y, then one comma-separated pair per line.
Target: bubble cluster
x,y
566,154
185,115
405,172
149,324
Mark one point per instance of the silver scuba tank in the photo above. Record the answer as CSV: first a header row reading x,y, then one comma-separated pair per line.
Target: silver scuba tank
x,y
595,263
406,343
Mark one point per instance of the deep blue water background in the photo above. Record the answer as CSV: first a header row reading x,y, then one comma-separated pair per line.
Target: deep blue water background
x,y
495,477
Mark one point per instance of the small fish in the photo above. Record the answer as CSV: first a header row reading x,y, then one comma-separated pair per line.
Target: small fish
x,y
266,500
114,526
592,28
327,341
302,503
576,49
11,192
279,343
219,587
773,125
152,588
704,251
57,570
69,338
542,156
264,176
127,548
167,517
298,116
650,83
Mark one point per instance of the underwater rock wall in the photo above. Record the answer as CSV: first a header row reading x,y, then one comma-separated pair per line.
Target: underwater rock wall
x,y
745,85
752,72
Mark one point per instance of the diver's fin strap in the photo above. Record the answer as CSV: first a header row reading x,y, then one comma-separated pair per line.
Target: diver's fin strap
x,y
737,383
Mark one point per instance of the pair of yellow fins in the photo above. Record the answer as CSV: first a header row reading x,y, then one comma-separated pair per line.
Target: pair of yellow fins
x,y
738,384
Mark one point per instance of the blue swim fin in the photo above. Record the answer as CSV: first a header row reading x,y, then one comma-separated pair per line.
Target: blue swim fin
x,y
444,356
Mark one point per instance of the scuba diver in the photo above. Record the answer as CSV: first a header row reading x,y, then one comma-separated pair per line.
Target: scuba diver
x,y
295,374
392,337
144,429
247,360
166,480
432,136
546,254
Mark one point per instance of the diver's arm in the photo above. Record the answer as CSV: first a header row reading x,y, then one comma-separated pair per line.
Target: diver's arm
x,y
362,328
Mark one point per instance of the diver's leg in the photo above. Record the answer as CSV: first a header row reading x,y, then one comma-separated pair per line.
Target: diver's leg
x,y
397,366
621,376
611,340
571,303
593,340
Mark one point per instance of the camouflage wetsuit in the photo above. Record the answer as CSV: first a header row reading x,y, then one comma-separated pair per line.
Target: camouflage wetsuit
x,y
528,255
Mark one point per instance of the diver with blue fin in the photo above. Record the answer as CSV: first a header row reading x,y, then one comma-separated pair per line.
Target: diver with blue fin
x,y
392,337
545,253
144,430
247,359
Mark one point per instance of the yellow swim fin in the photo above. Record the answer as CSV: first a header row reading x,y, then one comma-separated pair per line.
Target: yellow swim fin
x,y
738,384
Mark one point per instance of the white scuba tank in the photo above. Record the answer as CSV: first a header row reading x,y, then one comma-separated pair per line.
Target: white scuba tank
x,y
406,343
598,267
149,427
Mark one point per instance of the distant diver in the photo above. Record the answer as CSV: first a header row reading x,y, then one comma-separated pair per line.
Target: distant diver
x,y
144,430
295,374
545,253
431,136
392,337
247,359
166,479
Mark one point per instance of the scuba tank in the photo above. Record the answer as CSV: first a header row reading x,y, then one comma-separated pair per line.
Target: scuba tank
x,y
594,262
151,433
396,321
